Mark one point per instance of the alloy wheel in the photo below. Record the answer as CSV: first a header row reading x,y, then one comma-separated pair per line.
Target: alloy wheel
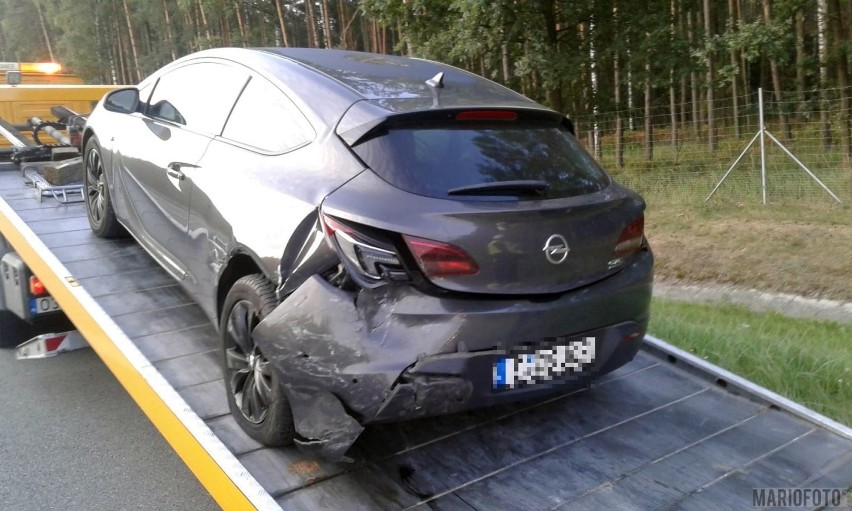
x,y
249,375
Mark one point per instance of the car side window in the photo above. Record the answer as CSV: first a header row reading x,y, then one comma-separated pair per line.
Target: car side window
x,y
262,100
198,96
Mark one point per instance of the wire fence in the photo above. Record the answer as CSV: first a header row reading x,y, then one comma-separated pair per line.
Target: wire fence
x,y
679,166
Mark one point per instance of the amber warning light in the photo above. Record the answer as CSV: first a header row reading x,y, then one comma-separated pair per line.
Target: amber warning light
x,y
46,68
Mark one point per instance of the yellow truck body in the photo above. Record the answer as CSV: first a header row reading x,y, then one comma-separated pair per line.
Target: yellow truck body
x,y
20,102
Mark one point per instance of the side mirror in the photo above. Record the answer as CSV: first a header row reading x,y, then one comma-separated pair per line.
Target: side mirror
x,y
123,101
13,77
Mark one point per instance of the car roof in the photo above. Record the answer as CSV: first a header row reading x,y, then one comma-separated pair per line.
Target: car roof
x,y
329,82
375,76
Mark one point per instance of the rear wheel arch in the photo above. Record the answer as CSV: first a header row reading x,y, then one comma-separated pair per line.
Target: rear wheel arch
x,y
238,266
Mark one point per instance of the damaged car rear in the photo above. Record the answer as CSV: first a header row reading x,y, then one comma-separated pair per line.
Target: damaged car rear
x,y
414,241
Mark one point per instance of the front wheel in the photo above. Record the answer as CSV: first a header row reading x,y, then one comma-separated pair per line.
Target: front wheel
x,y
256,398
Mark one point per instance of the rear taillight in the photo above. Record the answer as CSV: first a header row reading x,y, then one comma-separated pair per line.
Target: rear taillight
x,y
36,286
631,238
438,259
363,253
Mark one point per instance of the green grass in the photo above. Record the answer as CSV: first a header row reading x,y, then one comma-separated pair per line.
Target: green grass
x,y
807,361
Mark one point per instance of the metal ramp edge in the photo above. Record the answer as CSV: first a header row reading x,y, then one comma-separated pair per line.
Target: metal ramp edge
x,y
742,386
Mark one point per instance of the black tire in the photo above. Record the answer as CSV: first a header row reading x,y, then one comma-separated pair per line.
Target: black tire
x,y
99,209
14,330
256,398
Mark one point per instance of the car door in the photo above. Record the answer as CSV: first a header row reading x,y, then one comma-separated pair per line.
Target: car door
x,y
160,154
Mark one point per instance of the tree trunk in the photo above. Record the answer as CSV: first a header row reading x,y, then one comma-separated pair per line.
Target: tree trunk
x,y
630,102
132,41
170,38
693,82
735,107
616,78
649,127
281,24
343,22
225,29
241,24
743,63
554,92
44,30
310,20
776,78
822,26
800,63
711,117
841,40
505,61
204,24
326,25
120,51
3,46
672,92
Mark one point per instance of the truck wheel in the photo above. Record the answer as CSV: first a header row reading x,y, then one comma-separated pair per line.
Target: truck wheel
x,y
256,398
98,202
14,330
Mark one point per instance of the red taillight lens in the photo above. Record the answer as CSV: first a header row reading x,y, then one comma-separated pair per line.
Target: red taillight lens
x,y
438,259
331,225
631,238
36,287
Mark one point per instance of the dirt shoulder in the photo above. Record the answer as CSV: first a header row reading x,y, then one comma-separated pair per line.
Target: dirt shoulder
x,y
763,249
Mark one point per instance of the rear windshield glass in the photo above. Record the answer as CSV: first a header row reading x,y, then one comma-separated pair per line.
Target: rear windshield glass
x,y
433,160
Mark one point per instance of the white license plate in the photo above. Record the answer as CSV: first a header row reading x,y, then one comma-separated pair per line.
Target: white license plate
x,y
42,305
544,365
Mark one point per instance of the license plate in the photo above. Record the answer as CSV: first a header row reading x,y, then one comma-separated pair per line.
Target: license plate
x,y
42,305
544,365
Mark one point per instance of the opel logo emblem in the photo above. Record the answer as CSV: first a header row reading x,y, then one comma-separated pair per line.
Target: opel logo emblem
x,y
556,249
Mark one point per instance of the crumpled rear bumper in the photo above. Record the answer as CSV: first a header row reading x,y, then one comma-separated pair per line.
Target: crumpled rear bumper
x,y
396,353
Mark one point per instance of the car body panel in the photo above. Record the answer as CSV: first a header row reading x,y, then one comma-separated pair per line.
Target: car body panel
x,y
278,192
506,238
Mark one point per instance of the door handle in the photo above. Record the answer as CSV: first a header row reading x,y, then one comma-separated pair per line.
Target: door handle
x,y
173,169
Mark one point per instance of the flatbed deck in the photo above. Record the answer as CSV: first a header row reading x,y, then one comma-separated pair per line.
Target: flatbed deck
x,y
659,433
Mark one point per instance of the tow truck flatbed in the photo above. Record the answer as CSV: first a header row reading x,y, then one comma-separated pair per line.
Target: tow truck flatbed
x,y
664,432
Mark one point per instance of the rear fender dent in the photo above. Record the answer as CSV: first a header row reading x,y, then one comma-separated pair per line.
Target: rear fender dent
x,y
351,344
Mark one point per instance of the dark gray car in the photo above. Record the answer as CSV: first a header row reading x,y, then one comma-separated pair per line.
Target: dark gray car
x,y
377,238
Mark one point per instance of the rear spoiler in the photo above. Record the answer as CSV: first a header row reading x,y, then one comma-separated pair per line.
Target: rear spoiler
x,y
364,117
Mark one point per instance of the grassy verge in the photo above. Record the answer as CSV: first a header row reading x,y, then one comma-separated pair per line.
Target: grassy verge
x,y
807,361
797,243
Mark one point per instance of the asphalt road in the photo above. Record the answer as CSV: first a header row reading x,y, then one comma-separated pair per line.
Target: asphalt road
x,y
71,438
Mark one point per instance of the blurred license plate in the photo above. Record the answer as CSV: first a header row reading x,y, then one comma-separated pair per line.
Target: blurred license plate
x,y
544,365
42,305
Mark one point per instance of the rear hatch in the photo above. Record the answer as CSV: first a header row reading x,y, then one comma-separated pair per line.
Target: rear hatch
x,y
488,201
